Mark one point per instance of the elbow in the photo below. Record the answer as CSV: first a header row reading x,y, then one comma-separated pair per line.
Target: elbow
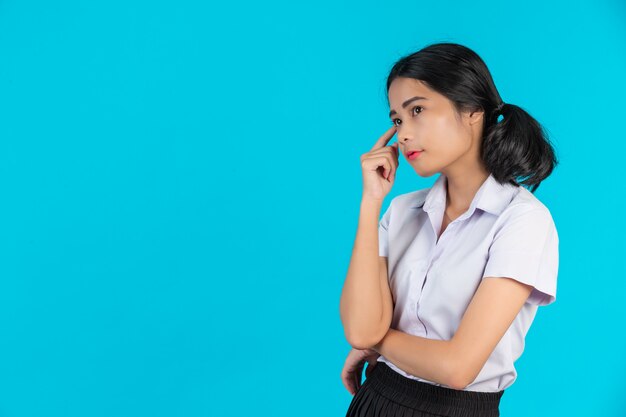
x,y
360,337
458,375
457,382
360,344
461,377
457,379
364,341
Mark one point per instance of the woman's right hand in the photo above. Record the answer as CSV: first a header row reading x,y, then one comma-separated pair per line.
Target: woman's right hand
x,y
353,368
379,167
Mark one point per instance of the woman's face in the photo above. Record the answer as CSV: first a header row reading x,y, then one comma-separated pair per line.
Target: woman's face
x,y
431,124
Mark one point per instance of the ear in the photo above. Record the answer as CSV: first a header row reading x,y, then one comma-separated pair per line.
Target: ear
x,y
476,116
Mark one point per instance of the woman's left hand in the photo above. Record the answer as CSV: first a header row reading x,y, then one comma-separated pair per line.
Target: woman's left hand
x,y
353,368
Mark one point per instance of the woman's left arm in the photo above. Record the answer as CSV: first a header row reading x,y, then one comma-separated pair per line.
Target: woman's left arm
x,y
457,362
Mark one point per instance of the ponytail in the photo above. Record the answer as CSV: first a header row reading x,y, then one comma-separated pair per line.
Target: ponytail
x,y
516,149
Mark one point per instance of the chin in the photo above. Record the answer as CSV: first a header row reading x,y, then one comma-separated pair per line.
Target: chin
x,y
426,173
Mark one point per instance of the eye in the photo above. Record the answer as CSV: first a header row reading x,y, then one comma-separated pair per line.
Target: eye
x,y
412,109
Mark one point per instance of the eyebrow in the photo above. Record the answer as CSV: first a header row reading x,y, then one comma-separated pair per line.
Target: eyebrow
x,y
406,103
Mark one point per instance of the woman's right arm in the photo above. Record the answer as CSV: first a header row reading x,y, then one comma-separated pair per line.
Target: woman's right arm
x,y
366,306
366,302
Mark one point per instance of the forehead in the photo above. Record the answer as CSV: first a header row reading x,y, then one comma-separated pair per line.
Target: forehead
x,y
403,88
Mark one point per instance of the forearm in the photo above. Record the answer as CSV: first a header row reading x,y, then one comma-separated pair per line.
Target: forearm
x,y
362,305
428,359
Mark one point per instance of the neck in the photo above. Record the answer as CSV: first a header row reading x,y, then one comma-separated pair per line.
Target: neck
x,y
461,189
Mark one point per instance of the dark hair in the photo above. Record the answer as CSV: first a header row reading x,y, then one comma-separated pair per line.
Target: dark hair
x,y
516,149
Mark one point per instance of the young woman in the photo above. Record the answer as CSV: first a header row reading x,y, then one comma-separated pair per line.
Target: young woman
x,y
441,292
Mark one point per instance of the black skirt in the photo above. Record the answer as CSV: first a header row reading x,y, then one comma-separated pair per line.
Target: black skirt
x,y
387,393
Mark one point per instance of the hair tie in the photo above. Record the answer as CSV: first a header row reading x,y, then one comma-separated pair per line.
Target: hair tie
x,y
497,112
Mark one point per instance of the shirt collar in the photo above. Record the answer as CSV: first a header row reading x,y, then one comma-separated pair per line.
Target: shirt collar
x,y
492,196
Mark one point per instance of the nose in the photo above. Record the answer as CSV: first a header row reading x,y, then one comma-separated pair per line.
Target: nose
x,y
403,137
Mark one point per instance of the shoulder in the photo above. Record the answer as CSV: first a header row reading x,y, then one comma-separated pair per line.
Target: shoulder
x,y
525,207
403,205
413,199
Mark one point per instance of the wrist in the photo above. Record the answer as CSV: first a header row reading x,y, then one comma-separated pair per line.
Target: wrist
x,y
372,202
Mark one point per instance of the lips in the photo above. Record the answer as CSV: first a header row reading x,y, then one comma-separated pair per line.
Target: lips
x,y
411,155
411,152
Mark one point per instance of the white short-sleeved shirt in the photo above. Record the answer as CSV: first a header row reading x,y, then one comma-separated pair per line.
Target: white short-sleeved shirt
x,y
506,232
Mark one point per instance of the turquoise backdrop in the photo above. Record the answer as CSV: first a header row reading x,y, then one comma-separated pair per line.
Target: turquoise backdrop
x,y
180,187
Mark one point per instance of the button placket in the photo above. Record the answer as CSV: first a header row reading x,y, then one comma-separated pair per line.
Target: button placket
x,y
434,256
437,248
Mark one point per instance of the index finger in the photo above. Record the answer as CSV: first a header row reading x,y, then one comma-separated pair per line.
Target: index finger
x,y
384,139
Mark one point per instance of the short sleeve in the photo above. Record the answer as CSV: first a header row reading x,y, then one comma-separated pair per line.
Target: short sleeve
x,y
526,248
383,232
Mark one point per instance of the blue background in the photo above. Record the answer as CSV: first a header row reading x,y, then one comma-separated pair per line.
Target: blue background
x,y
180,189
